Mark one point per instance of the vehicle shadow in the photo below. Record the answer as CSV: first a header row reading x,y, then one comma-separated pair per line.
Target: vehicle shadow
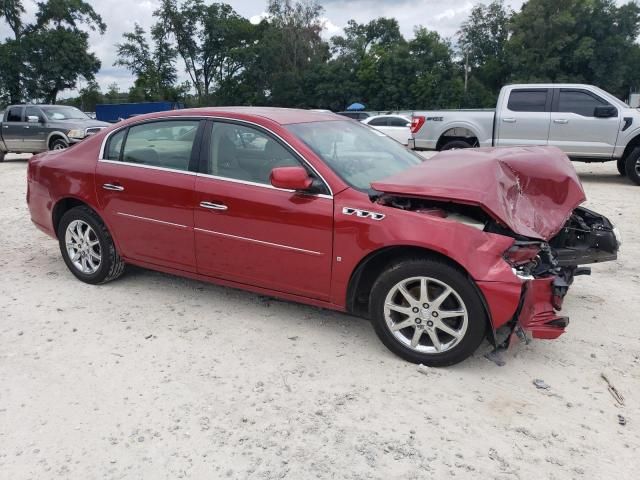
x,y
282,315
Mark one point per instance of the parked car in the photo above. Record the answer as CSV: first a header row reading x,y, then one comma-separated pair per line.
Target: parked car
x,y
37,128
314,208
395,126
355,115
587,123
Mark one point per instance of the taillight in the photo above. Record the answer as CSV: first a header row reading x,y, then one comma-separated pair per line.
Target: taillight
x,y
519,255
416,123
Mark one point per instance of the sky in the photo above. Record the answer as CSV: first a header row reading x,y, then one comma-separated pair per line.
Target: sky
x,y
444,17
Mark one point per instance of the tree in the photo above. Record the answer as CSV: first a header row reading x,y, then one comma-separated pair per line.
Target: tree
x,y
575,41
154,69
483,40
49,55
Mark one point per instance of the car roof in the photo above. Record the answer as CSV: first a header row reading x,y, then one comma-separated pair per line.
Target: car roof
x,y
283,116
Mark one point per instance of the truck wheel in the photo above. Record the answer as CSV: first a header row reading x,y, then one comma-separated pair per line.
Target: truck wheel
x,y
426,311
455,145
2,154
622,169
59,144
632,166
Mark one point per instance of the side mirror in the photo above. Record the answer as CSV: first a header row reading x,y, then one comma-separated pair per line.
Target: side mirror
x,y
291,178
605,111
33,119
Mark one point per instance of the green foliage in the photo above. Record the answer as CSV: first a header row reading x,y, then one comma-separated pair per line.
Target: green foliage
x,y
581,41
284,60
49,55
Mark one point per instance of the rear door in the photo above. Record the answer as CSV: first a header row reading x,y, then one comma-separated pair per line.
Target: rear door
x,y
525,118
250,232
575,129
13,129
145,185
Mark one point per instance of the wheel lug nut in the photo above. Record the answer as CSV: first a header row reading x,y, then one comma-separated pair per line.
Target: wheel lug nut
x,y
425,305
434,314
415,309
418,321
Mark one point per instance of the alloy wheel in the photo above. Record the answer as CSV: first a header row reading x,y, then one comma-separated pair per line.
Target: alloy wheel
x,y
83,247
426,315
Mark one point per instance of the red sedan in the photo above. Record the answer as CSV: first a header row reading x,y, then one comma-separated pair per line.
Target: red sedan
x,y
315,208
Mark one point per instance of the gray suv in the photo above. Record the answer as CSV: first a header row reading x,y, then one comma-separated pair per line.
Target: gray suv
x,y
36,128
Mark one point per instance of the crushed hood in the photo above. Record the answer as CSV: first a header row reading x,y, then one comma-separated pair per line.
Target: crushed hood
x,y
531,190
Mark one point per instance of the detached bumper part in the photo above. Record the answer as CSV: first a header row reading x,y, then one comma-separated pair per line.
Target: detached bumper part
x,y
540,300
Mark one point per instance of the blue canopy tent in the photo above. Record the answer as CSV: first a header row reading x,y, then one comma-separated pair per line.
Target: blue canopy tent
x,y
355,106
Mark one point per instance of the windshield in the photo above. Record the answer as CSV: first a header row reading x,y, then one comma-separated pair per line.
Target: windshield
x,y
358,154
63,113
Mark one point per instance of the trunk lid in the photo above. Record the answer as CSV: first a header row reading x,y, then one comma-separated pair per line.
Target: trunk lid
x,y
531,190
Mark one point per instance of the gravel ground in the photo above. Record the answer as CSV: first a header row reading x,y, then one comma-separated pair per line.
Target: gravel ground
x,y
154,376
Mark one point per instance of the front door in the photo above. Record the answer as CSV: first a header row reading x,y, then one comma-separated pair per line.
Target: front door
x,y
252,233
525,119
145,184
35,133
575,129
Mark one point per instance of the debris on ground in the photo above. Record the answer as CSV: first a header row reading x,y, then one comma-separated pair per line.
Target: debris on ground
x,y
621,420
423,369
540,384
613,391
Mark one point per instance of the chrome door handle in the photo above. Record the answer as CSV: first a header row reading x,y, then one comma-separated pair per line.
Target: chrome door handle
x,y
111,186
5,126
509,120
560,120
213,206
26,126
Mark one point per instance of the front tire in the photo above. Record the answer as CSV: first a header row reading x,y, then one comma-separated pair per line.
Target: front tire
x,y
2,154
622,169
632,166
59,144
87,247
427,311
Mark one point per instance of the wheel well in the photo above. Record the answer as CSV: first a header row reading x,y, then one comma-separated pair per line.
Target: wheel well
x,y
635,142
457,133
53,139
370,268
62,207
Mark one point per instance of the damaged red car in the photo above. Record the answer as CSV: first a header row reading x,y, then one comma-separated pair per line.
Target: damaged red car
x,y
311,207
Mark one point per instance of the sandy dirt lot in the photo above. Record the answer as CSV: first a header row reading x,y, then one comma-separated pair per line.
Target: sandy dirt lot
x,y
154,376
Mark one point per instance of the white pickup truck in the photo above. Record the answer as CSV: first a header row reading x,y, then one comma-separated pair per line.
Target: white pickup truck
x,y
587,123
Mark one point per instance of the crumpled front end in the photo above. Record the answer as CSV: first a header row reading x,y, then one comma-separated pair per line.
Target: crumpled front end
x,y
586,238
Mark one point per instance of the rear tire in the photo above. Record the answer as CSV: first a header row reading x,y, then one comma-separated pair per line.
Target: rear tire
x,y
622,169
455,145
2,154
433,334
87,247
632,166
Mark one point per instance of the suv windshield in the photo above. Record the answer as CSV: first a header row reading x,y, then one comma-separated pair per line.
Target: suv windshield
x,y
63,113
358,154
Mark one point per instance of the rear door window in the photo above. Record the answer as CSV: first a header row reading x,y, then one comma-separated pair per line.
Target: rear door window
x,y
14,114
529,100
166,144
579,102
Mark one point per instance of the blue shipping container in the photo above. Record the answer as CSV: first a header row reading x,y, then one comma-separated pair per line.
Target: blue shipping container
x,y
114,112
